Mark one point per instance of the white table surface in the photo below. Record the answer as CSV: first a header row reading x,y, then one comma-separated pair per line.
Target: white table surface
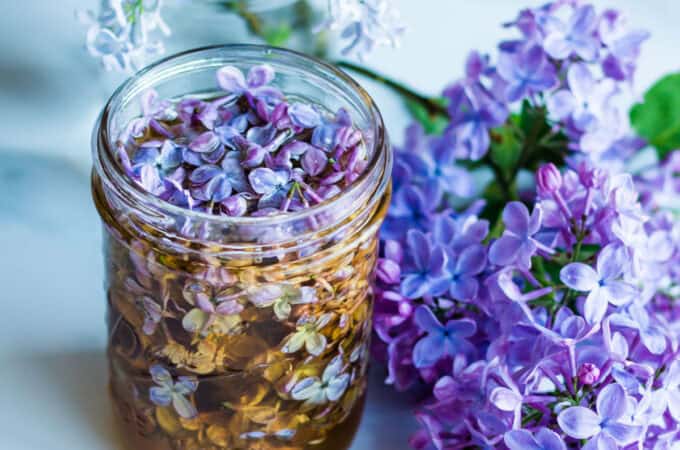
x,y
52,332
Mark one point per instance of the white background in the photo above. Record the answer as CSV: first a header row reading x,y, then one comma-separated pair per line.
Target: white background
x,y
52,332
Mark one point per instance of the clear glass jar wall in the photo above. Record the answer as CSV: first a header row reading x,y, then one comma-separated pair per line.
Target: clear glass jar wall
x,y
285,371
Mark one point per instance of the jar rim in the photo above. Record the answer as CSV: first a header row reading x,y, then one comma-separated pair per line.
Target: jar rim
x,y
111,173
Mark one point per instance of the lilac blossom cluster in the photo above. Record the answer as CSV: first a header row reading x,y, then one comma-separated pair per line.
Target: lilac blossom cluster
x,y
247,151
555,326
577,64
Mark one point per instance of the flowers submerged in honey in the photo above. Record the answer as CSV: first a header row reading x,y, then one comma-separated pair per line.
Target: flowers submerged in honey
x,y
169,392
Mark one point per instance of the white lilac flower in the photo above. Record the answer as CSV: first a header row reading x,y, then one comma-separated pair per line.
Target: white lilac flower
x,y
366,24
308,334
330,387
281,297
121,33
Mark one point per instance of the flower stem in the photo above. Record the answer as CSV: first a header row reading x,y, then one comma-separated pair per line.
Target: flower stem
x,y
432,105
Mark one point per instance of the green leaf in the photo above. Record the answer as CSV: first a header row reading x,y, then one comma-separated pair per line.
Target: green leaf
x,y
432,124
506,148
278,35
657,118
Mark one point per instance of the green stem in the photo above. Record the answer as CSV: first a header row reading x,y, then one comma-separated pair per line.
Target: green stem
x,y
432,106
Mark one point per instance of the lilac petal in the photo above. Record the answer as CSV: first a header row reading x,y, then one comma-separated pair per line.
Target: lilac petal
x,y
579,276
337,386
556,46
535,220
150,179
414,286
205,143
516,218
160,396
419,247
505,399
623,434
533,59
579,422
464,289
186,385
581,81
610,262
674,403
428,350
520,440
388,271
471,261
304,115
504,250
611,402
263,180
217,189
235,205
549,440
595,307
231,80
426,320
229,307
461,328
145,155
204,173
618,293
314,161
261,75
601,442
184,407
437,262
160,375
561,104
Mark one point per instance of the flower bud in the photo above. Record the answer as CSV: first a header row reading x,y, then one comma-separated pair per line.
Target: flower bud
x,y
591,178
588,374
548,178
388,271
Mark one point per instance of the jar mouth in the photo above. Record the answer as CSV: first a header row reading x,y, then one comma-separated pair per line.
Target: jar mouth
x,y
111,173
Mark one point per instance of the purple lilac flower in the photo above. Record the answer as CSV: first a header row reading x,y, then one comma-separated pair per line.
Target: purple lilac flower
x,y
253,87
441,340
622,43
424,268
603,284
412,207
463,270
637,318
528,71
604,427
576,37
152,165
543,439
517,245
214,183
153,110
272,185
169,392
668,396
433,161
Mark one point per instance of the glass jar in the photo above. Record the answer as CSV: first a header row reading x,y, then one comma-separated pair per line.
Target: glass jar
x,y
285,371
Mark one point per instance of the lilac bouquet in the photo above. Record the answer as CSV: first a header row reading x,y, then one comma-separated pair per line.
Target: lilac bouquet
x,y
540,310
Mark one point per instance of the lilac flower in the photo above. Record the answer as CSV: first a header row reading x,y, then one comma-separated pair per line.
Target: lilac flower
x,y
637,318
214,310
281,297
152,166
412,207
304,115
623,45
576,37
603,284
330,387
604,427
588,374
272,185
364,23
433,161
526,72
254,86
424,268
544,439
120,33
153,111
168,392
517,244
463,271
441,340
215,183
